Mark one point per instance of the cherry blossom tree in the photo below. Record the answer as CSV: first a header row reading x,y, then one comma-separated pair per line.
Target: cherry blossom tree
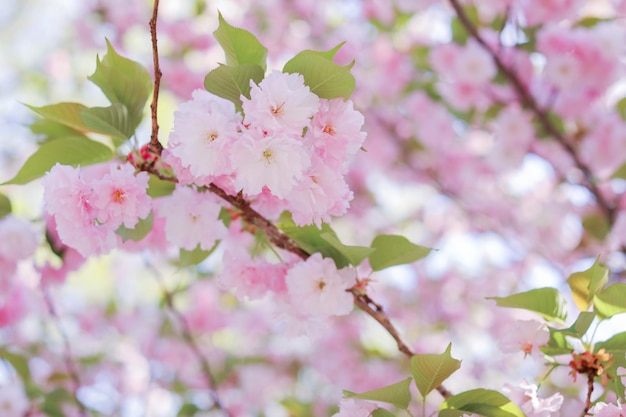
x,y
288,208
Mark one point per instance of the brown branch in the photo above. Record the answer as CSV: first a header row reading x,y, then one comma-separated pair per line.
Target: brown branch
x,y
542,115
590,378
67,351
154,145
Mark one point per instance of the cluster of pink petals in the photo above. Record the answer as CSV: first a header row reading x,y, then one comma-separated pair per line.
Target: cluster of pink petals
x,y
289,151
525,395
528,336
608,410
355,408
89,204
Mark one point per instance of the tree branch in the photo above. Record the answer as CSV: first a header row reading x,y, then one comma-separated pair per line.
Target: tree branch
x,y
154,145
542,115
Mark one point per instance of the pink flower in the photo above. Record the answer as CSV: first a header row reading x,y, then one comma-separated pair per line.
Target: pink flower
x,y
355,408
317,288
12,306
281,102
120,196
252,278
527,337
525,396
191,219
608,410
474,65
18,239
276,162
13,400
204,129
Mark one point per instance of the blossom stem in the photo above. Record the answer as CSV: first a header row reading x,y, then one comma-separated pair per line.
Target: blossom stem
x,y
155,146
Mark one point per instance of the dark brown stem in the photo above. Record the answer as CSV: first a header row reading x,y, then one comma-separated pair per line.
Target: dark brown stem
x,y
68,358
590,378
542,115
155,146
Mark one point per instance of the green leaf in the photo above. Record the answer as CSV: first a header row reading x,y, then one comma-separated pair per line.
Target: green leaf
x,y
580,326
610,301
397,394
240,46
310,239
430,370
5,206
65,114
394,250
597,226
592,21
112,121
483,402
159,188
232,82
459,33
194,257
616,346
325,78
546,301
141,229
123,81
74,151
354,254
586,284
188,410
381,412
620,107
621,171
18,362
557,344
51,129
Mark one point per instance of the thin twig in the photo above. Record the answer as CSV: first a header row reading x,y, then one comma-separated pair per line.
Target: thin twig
x,y
543,117
155,146
68,358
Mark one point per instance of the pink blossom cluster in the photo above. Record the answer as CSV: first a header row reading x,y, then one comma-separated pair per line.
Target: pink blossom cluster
x,y
603,409
525,395
89,204
288,152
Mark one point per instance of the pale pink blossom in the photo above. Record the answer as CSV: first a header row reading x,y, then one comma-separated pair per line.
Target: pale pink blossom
x,y
252,278
524,336
120,197
608,410
317,288
349,407
281,102
204,130
12,307
526,397
191,219
13,400
474,65
17,239
276,162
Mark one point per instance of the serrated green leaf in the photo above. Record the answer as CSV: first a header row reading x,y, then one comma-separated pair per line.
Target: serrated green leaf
x,y
194,257
18,362
231,82
397,394
112,121
354,254
610,301
5,206
72,151
483,402
160,188
65,114
141,229
430,370
325,78
546,301
123,81
394,250
586,284
240,46
381,412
